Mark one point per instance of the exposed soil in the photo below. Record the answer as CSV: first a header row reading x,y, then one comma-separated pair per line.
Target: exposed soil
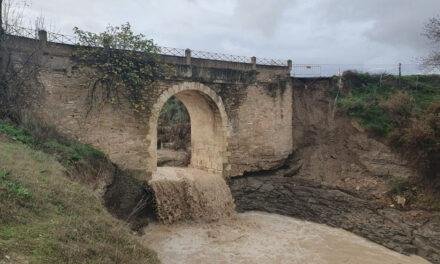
x,y
335,151
341,177
128,199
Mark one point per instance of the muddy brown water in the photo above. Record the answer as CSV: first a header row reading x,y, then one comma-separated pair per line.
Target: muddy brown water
x,y
191,194
199,225
256,237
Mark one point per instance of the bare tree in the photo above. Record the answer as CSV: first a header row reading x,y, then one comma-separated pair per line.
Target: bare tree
x,y
1,18
12,12
18,73
432,32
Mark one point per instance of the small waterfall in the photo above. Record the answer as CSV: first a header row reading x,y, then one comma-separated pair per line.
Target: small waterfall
x,y
191,194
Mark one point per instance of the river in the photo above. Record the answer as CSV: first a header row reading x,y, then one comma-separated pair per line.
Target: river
x,y
256,237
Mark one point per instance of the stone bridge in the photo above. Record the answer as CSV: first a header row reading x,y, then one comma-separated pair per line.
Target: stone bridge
x,y
241,113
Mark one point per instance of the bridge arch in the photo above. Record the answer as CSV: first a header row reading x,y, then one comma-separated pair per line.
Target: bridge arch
x,y
210,129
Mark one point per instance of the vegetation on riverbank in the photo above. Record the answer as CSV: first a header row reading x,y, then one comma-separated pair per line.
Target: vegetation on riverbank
x,y
48,140
405,112
45,216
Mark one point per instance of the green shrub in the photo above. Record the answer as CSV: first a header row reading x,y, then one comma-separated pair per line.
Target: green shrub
x,y
16,133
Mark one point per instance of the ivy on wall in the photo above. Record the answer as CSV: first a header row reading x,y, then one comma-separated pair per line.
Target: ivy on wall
x,y
119,65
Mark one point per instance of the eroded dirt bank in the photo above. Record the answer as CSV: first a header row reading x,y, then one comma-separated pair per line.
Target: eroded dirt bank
x,y
340,177
256,237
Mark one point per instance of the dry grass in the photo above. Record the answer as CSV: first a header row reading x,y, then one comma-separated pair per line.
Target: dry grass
x,y
421,142
399,106
47,218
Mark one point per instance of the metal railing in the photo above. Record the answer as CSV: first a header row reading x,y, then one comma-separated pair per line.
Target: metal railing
x,y
219,56
21,31
273,62
306,70
73,40
60,38
172,51
328,70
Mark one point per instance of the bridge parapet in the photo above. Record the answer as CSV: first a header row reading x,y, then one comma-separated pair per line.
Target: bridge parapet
x,y
61,45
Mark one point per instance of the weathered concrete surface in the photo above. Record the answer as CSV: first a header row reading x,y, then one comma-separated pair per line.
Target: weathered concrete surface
x,y
236,109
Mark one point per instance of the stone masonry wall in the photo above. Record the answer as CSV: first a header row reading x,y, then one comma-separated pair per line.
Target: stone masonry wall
x,y
258,107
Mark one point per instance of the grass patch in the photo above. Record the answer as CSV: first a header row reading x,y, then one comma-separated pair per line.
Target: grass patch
x,y
425,89
67,151
369,94
370,115
16,133
12,189
364,102
45,217
71,152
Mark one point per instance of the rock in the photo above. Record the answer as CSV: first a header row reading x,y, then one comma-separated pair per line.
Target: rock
x,y
400,200
310,201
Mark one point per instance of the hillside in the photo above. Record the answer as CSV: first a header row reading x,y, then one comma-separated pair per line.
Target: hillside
x,y
47,217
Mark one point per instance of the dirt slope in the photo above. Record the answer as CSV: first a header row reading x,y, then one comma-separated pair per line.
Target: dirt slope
x,y
335,151
46,217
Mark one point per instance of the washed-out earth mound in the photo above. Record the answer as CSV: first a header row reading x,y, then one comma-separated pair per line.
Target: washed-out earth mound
x,y
255,237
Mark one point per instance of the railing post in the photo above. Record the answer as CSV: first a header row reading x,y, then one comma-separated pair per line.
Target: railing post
x,y
254,62
400,75
289,65
188,56
42,36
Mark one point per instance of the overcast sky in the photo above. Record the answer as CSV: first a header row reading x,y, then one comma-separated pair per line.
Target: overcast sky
x,y
306,31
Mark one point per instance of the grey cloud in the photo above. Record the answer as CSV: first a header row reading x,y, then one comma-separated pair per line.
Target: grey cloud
x,y
261,15
307,31
394,22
